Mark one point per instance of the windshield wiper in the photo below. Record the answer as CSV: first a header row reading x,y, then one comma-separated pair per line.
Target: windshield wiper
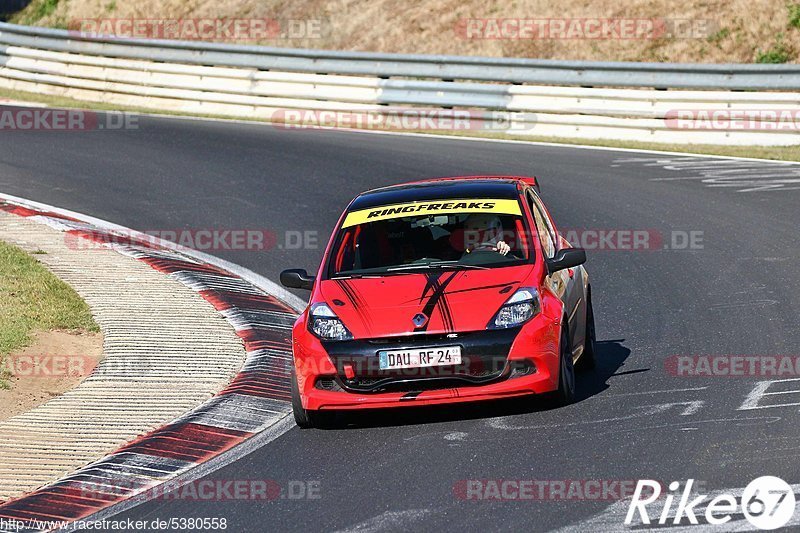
x,y
432,266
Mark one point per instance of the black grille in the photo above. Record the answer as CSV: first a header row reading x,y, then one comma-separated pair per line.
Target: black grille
x,y
389,383
328,384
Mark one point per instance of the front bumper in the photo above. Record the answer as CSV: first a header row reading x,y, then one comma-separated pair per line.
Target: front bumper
x,y
490,369
484,360
522,386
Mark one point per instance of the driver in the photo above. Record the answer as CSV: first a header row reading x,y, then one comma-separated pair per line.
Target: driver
x,y
484,232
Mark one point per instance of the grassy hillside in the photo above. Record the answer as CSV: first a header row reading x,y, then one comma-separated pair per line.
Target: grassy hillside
x,y
712,31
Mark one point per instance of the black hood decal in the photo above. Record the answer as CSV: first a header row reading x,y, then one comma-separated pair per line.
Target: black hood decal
x,y
437,299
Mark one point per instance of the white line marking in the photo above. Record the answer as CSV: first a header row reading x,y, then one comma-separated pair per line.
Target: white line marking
x,y
782,392
751,401
748,176
760,391
690,408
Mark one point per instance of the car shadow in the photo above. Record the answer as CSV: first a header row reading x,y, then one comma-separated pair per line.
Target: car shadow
x,y
611,356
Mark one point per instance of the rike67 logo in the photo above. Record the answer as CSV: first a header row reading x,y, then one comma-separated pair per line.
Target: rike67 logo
x,y
767,503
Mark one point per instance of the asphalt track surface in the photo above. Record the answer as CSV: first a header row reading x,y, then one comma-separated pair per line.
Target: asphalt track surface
x,y
737,294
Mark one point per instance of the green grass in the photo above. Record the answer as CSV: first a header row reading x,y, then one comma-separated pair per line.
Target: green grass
x,y
32,299
780,153
719,36
779,53
794,15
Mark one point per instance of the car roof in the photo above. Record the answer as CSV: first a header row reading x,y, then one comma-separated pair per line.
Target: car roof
x,y
461,187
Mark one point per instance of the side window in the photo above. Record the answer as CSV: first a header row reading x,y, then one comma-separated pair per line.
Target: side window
x,y
546,233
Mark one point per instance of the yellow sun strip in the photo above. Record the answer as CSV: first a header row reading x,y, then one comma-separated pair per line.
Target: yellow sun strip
x,y
432,207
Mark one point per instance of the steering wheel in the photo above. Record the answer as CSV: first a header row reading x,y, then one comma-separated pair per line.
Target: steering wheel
x,y
485,247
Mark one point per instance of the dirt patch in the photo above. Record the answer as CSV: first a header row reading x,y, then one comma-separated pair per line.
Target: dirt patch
x,y
54,363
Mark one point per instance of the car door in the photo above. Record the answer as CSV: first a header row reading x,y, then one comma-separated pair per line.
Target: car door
x,y
564,283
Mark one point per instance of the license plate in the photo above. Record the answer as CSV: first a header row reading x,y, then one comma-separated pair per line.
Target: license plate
x,y
420,357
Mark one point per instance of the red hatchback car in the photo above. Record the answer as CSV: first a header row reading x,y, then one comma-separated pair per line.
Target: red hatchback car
x,y
441,291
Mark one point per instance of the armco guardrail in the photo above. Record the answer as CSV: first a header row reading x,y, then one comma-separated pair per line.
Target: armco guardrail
x,y
520,96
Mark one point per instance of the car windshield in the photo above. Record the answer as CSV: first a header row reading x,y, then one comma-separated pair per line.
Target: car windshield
x,y
452,240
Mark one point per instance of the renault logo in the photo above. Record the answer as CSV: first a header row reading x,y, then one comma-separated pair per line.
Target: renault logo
x,y
419,320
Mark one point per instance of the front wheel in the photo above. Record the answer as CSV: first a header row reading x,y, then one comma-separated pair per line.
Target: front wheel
x,y
565,394
305,418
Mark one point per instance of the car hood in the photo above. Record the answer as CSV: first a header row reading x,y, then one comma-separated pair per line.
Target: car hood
x,y
452,301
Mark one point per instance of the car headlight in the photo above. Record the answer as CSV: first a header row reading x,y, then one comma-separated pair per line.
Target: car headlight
x,y
521,307
324,323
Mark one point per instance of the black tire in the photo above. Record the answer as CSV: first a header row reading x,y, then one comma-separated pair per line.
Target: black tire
x,y
300,414
304,418
588,358
565,394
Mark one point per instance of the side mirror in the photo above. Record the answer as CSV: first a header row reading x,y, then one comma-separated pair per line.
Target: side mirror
x,y
297,278
566,258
